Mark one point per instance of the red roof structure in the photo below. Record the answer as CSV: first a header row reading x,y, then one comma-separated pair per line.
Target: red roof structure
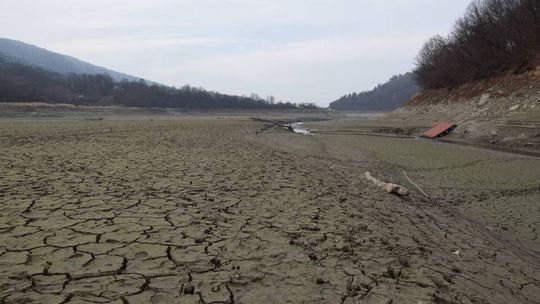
x,y
439,130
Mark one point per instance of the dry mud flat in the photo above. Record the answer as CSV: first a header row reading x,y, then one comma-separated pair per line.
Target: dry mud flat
x,y
207,211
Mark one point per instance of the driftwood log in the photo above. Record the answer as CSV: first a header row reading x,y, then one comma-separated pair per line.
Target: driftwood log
x,y
388,187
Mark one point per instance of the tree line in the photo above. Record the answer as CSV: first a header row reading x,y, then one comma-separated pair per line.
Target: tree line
x,y
384,97
23,83
492,38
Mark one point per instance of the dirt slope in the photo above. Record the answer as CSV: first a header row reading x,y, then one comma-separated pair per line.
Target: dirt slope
x,y
503,111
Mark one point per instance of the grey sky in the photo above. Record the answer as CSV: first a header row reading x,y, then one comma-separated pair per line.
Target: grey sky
x,y
297,50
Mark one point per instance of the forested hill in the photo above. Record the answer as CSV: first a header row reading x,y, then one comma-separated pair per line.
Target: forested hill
x,y
35,56
493,38
24,83
384,97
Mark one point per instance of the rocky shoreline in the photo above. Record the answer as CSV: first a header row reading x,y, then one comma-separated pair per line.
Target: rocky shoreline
x,y
502,112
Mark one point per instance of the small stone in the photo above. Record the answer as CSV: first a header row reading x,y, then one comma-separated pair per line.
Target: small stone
x,y
189,289
448,278
442,299
216,262
312,227
403,261
483,100
392,272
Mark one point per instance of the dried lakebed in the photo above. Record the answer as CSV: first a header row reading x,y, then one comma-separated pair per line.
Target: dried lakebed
x,y
212,211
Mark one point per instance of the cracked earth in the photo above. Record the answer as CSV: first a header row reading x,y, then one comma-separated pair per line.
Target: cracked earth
x,y
212,211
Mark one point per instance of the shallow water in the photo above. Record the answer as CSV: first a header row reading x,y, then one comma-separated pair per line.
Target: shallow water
x,y
298,127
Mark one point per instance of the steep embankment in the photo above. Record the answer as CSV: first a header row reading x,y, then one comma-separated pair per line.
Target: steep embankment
x,y
502,111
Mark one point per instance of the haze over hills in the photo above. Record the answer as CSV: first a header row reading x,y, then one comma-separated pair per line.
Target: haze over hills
x,y
33,74
384,97
27,54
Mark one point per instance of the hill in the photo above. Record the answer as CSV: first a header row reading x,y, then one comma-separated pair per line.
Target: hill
x,y
484,76
23,83
385,97
27,54
493,38
31,74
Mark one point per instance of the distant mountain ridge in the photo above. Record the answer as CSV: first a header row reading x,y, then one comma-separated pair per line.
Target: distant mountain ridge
x,y
27,54
384,97
32,74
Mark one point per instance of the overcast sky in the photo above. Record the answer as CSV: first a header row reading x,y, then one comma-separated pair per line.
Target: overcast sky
x,y
296,50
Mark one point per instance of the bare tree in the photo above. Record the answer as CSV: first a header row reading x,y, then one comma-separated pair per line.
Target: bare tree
x,y
493,37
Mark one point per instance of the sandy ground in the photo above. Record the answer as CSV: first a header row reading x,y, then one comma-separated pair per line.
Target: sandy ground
x,y
208,210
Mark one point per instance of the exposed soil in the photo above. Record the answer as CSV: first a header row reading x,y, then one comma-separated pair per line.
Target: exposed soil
x,y
208,210
502,112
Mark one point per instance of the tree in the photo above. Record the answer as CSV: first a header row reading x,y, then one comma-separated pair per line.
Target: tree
x,y
493,37
23,83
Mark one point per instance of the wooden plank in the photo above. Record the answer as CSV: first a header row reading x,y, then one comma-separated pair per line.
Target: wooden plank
x,y
439,130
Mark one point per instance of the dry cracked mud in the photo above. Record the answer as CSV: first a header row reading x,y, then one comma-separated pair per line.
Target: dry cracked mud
x,y
212,211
